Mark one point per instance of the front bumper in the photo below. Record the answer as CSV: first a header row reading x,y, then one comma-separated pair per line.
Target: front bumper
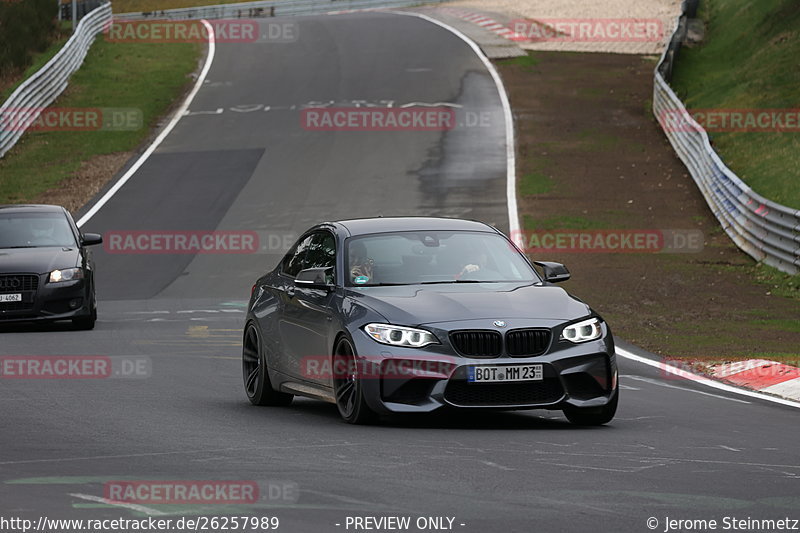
x,y
405,380
49,302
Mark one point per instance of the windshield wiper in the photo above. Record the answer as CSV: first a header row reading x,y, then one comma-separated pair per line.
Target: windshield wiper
x,y
14,247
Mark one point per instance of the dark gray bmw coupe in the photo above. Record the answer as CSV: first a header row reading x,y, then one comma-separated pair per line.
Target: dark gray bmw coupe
x,y
411,314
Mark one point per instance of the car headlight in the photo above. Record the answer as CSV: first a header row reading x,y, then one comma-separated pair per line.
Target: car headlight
x,y
588,330
66,274
400,336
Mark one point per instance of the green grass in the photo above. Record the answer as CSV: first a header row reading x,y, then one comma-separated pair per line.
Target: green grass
x,y
559,222
594,140
534,183
783,324
749,61
147,77
527,61
776,282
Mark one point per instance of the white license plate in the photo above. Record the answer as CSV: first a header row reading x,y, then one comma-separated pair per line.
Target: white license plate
x,y
500,373
10,297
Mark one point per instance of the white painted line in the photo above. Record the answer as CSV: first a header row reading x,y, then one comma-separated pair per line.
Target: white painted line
x,y
131,506
789,388
668,386
511,162
702,380
166,131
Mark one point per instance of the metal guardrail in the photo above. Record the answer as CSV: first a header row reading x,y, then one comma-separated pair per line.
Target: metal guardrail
x,y
42,88
269,8
767,231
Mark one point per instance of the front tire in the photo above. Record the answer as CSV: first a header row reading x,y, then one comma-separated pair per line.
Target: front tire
x,y
593,416
257,385
347,386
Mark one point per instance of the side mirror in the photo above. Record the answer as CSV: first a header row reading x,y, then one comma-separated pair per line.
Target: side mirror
x,y
553,272
314,278
90,239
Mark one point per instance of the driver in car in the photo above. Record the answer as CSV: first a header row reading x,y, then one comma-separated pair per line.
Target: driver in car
x,y
360,264
478,268
42,231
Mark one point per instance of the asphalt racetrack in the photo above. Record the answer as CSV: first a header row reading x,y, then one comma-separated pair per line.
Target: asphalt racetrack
x,y
241,161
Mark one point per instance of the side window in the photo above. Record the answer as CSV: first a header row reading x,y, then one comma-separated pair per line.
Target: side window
x,y
295,262
322,253
317,250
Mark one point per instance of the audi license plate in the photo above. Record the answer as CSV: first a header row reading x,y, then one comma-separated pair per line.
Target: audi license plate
x,y
500,373
10,298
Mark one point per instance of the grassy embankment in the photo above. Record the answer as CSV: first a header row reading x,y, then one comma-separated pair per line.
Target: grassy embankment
x,y
749,61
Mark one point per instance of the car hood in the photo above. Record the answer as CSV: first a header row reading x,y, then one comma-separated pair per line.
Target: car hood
x,y
417,305
37,260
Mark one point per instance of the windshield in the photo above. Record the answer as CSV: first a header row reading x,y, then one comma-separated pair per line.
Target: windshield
x,y
407,258
34,230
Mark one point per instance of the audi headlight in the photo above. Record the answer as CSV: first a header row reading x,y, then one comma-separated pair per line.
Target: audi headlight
x,y
400,336
66,274
588,330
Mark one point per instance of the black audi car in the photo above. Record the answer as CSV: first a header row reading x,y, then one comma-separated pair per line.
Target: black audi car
x,y
46,270
411,314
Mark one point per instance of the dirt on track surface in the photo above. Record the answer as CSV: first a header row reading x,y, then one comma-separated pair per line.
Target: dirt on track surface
x,y
591,157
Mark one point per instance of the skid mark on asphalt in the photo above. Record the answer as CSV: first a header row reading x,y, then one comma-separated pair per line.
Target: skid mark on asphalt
x,y
495,465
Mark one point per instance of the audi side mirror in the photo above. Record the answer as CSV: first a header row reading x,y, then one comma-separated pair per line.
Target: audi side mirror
x,y
91,239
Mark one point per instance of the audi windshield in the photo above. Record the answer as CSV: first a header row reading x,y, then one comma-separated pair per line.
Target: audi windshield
x,y
34,230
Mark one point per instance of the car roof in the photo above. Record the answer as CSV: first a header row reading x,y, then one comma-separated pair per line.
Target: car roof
x,y
363,226
42,208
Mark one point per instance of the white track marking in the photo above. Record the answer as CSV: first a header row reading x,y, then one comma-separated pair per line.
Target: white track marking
x,y
668,386
132,506
703,381
511,165
789,388
166,131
